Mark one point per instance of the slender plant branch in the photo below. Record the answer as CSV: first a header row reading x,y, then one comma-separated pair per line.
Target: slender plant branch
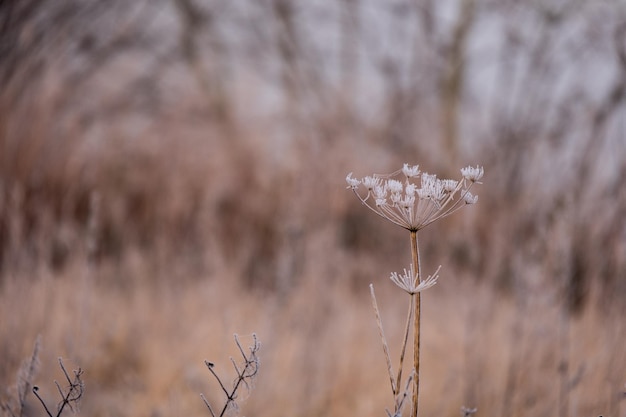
x,y
45,407
379,322
246,372
69,395
405,341
206,402
404,395
399,405
416,298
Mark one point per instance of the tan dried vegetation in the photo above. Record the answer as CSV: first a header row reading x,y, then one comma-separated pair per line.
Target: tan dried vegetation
x,y
173,172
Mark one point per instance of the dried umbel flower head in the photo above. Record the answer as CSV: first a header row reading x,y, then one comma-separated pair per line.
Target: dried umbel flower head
x,y
409,282
413,199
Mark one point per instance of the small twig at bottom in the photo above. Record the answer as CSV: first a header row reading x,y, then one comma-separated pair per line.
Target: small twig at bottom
x,y
401,398
70,395
246,372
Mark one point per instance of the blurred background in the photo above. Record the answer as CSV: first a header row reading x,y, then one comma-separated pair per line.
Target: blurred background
x,y
173,172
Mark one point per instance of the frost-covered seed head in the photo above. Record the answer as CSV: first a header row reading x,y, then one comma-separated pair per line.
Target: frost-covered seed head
x,y
473,174
410,171
469,198
432,187
400,201
407,202
408,282
380,192
394,186
450,185
353,183
371,182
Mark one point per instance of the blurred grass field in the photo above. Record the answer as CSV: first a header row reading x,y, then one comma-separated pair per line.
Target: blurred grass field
x,y
143,345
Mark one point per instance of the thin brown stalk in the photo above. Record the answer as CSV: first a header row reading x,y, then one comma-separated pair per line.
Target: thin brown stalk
x,y
379,322
416,320
405,341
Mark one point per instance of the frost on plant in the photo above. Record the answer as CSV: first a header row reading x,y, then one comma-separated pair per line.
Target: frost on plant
x,y
408,282
413,199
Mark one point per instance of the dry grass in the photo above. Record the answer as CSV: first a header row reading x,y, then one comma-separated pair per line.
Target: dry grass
x,y
143,346
160,192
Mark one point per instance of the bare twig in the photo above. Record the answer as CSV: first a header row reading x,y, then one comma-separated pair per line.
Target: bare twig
x,y
401,397
206,402
246,371
69,395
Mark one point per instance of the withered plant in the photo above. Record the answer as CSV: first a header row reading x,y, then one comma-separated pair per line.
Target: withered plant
x,y
70,394
246,372
412,207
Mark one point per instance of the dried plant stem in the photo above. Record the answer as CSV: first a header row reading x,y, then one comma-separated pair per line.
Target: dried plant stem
x,y
401,398
405,204
246,372
69,395
416,301
395,385
379,321
405,342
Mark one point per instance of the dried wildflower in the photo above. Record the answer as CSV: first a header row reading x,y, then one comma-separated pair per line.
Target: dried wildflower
x,y
414,207
411,284
352,182
473,174
469,198
413,199
410,172
371,183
